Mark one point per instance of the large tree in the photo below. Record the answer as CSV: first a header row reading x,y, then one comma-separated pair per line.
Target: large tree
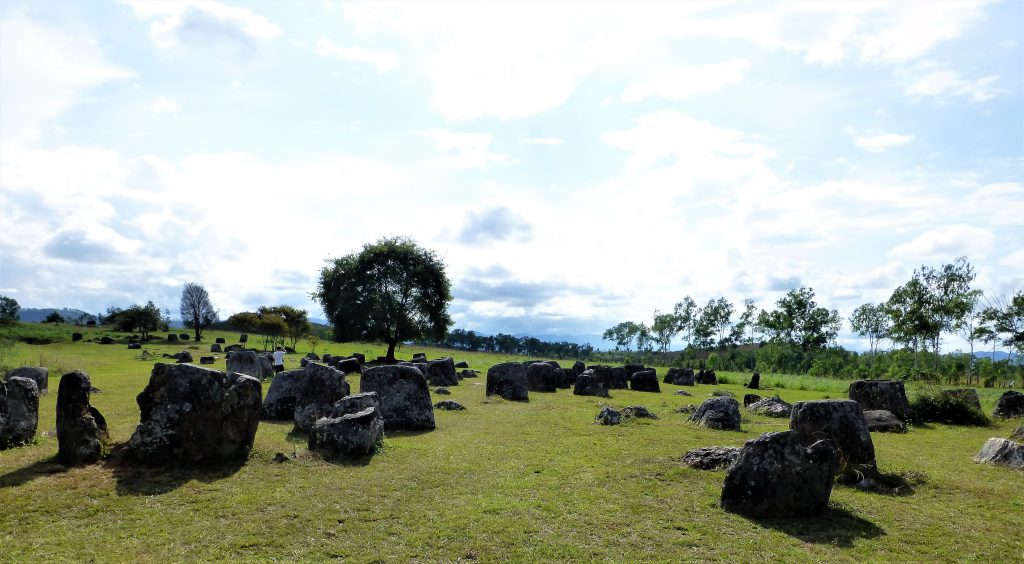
x,y
197,313
686,313
870,320
9,309
393,291
799,320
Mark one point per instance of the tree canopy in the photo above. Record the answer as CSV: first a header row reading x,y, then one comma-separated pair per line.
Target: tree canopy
x,y
391,291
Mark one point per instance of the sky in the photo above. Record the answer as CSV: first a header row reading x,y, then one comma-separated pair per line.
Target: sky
x,y
574,164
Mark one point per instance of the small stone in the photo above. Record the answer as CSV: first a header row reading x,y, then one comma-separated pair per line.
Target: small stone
x,y
443,391
639,412
280,457
750,398
449,405
609,416
771,407
882,421
683,393
711,457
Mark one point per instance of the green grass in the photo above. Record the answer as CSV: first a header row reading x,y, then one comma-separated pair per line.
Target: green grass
x,y
535,481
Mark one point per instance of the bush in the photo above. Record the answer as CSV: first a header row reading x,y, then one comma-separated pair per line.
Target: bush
x,y
934,406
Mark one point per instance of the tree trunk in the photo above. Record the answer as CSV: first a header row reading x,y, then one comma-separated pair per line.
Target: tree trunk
x,y
391,349
199,333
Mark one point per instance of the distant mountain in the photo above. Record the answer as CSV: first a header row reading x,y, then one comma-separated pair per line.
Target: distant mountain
x,y
38,315
999,355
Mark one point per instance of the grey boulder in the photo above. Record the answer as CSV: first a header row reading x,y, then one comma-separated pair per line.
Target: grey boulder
x,y
542,377
279,403
82,436
191,414
844,423
350,435
1010,404
644,381
441,372
777,475
404,396
249,363
1002,452
19,411
38,374
722,413
889,395
588,384
508,380
318,389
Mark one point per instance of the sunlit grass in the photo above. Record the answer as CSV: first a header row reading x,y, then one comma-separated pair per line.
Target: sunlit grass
x,y
535,481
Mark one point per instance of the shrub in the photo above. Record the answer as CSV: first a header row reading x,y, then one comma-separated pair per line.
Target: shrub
x,y
75,337
933,405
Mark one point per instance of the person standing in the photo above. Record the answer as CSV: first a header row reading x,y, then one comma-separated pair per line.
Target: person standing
x,y
278,360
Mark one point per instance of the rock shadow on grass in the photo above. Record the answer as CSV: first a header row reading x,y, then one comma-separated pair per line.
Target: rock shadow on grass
x,y
45,467
137,478
836,526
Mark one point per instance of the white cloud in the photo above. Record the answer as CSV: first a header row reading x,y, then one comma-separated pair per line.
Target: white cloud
x,y
1014,260
689,81
544,140
879,143
175,24
944,83
162,105
470,149
514,60
81,215
945,243
383,62
44,71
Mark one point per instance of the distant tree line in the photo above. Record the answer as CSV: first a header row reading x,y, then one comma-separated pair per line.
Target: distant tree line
x,y
510,344
798,335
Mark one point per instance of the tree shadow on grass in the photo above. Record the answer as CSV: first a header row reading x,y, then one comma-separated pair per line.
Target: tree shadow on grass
x,y
136,478
836,526
45,467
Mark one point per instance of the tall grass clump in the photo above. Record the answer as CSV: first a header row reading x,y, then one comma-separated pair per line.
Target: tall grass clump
x,y
932,405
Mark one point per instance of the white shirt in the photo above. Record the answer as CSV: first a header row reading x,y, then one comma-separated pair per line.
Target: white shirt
x,y
278,358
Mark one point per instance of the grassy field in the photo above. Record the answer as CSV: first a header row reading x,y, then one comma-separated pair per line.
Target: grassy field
x,y
535,481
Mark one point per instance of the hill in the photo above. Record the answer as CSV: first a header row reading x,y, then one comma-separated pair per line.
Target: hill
x,y
38,315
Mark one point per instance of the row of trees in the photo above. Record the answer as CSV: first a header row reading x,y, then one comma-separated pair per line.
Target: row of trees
x,y
798,335
937,302
510,344
275,324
